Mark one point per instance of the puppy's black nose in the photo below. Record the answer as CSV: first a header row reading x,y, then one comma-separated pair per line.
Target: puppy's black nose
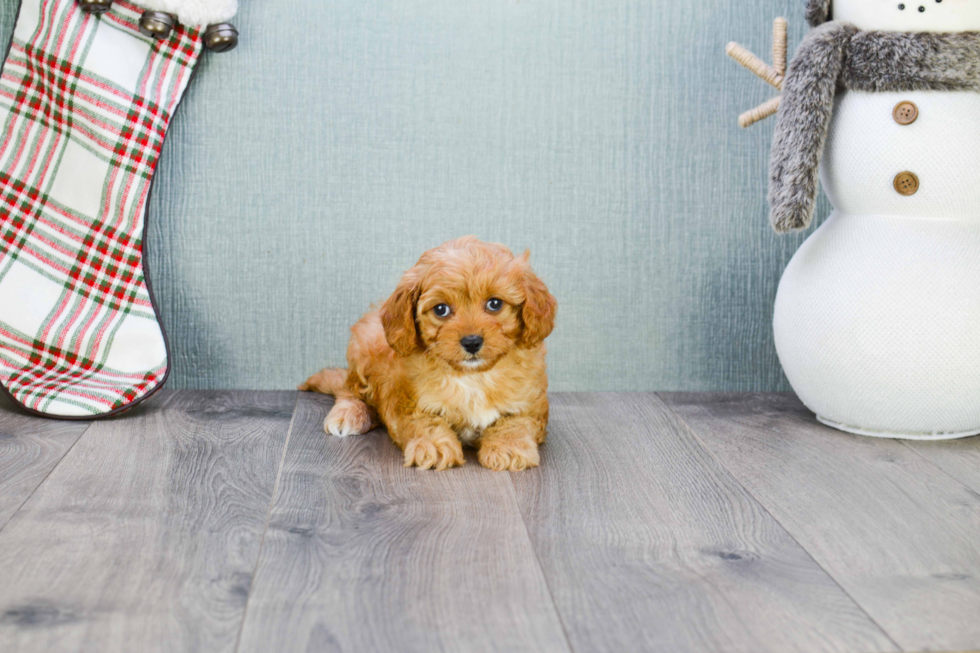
x,y
472,344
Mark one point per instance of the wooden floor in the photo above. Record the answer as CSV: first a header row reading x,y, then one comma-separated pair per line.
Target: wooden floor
x,y
227,521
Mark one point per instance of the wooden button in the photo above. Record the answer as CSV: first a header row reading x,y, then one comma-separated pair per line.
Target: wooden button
x,y
906,183
905,113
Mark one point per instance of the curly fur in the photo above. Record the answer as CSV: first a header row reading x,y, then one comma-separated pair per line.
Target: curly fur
x,y
839,56
407,367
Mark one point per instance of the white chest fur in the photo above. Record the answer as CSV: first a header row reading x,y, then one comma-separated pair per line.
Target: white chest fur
x,y
466,402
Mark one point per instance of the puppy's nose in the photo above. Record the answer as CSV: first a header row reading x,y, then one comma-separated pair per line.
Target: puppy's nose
x,y
472,344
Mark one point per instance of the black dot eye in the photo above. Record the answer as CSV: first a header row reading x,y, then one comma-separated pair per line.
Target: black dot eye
x,y
921,9
442,310
495,305
901,7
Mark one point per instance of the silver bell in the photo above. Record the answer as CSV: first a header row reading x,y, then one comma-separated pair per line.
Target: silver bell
x,y
157,24
221,37
95,6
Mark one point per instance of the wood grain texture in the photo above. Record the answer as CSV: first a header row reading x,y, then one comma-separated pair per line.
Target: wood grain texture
x,y
648,544
896,532
363,554
146,536
958,458
29,449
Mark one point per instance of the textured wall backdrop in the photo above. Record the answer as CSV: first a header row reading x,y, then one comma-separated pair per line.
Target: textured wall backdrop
x,y
307,169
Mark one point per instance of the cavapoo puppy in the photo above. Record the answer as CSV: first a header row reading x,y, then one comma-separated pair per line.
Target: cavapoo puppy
x,y
455,356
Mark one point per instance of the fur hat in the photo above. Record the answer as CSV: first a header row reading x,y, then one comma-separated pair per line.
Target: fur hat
x,y
817,12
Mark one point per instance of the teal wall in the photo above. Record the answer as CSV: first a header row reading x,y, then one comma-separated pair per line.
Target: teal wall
x,y
307,169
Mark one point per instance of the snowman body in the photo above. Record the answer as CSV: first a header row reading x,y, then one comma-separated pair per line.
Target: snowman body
x,y
877,316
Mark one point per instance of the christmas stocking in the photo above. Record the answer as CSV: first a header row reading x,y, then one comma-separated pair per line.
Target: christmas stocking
x,y
86,96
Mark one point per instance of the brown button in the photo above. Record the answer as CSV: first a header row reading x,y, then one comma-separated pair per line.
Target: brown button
x,y
905,113
906,183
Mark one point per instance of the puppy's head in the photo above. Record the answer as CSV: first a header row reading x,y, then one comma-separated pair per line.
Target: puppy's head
x,y
468,303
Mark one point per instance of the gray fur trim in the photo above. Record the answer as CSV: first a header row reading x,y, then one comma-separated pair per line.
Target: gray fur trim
x,y
837,55
918,61
817,12
801,128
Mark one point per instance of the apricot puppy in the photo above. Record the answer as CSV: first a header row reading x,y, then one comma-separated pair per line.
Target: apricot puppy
x,y
455,356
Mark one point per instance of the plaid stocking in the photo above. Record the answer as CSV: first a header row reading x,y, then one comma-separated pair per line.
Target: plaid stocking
x,y
85,102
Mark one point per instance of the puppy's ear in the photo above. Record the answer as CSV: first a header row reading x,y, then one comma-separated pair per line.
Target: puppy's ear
x,y
398,316
539,310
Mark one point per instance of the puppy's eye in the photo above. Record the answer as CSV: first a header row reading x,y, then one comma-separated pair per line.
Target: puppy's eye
x,y
442,310
495,305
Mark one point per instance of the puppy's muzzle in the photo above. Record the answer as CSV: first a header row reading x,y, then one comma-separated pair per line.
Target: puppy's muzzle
x,y
472,344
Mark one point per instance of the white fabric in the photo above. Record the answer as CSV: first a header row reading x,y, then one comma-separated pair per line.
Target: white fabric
x,y
946,16
80,181
877,324
78,331
117,56
195,13
877,316
138,345
866,148
27,20
27,298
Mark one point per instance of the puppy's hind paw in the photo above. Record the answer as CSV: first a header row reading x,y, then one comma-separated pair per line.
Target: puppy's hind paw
x,y
512,455
348,417
439,452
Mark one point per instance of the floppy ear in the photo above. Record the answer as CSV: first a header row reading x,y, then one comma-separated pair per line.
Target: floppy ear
x,y
398,316
539,310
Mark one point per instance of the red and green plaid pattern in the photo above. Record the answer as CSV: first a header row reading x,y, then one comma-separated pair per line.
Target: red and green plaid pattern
x,y
85,102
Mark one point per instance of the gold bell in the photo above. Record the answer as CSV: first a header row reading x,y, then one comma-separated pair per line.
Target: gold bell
x,y
95,6
157,24
221,37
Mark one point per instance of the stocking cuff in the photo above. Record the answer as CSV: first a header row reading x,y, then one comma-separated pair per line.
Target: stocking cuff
x,y
194,13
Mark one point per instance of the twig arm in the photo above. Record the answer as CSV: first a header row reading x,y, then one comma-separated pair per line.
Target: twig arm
x,y
761,112
780,45
755,64
774,74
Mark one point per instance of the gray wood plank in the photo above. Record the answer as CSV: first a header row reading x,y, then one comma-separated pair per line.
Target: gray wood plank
x,y
145,537
648,544
958,458
363,554
896,532
30,447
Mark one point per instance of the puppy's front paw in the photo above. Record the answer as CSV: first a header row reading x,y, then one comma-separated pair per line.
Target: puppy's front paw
x,y
348,417
437,451
513,455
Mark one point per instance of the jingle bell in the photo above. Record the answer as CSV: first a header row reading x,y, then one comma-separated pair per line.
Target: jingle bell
x,y
221,37
157,24
95,6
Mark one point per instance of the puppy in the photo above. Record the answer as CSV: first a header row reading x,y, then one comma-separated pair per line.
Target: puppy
x,y
455,356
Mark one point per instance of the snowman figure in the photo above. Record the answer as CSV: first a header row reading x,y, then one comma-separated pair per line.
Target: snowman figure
x,y
877,316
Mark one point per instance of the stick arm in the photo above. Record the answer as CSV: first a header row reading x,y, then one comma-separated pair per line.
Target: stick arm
x,y
774,75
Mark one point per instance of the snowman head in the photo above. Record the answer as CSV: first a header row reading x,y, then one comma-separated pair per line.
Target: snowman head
x,y
899,15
